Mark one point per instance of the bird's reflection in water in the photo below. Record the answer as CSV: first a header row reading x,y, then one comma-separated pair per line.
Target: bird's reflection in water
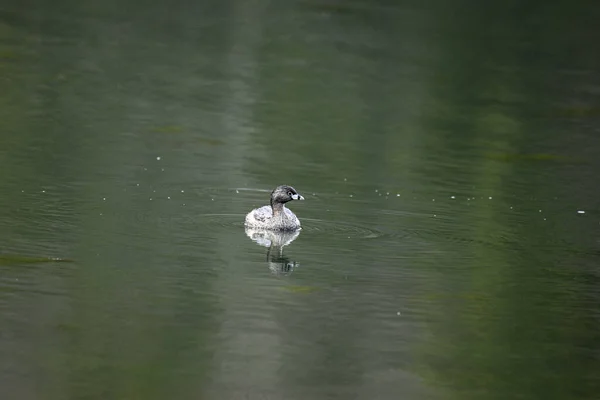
x,y
275,241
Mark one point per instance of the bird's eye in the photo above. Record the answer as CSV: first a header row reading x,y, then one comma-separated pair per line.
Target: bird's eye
x,y
290,194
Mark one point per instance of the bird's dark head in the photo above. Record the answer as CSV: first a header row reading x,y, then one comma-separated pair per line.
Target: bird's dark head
x,y
283,194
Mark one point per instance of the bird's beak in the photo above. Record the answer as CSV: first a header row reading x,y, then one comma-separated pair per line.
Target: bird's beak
x,y
297,197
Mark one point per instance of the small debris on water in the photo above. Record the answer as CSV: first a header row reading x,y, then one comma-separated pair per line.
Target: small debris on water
x,y
158,158
580,212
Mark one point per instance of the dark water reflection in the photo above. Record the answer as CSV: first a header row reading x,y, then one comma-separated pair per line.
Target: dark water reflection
x,y
447,153
275,242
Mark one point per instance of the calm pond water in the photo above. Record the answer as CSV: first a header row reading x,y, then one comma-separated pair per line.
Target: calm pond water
x,y
448,154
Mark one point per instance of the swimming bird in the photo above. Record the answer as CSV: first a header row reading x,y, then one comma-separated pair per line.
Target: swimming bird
x,y
276,216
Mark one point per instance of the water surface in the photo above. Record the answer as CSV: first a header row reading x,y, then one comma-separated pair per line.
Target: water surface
x,y
447,154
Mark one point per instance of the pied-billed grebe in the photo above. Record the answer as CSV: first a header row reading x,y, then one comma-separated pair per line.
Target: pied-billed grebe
x,y
276,216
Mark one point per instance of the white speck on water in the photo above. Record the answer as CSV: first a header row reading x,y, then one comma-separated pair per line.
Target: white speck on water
x,y
345,179
398,313
182,191
511,207
544,219
434,215
212,199
432,199
43,191
145,169
580,212
158,158
100,213
22,191
539,210
452,197
168,197
150,198
376,190
490,197
137,184
104,198
162,169
154,191
388,193
397,194
237,191
350,195
184,204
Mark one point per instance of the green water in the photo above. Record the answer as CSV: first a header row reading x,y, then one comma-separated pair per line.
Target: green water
x,y
447,151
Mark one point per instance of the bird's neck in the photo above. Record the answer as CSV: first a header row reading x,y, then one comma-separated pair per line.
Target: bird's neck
x,y
277,208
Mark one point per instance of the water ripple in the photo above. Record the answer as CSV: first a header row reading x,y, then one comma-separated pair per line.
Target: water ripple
x,y
309,225
318,226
